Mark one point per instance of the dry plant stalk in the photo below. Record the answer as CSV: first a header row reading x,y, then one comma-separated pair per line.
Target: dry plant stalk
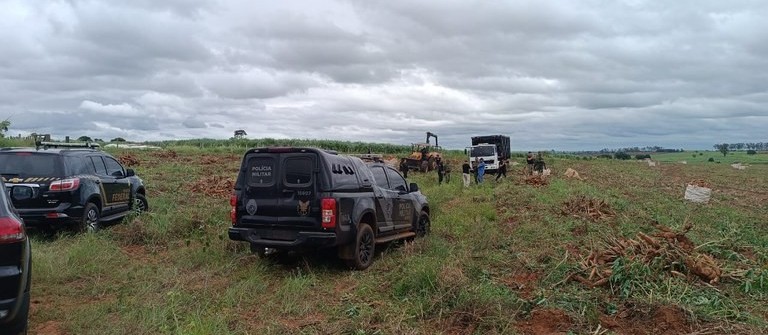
x,y
588,208
536,180
674,249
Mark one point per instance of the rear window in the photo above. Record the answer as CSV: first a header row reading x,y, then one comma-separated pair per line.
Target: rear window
x,y
261,171
298,170
28,164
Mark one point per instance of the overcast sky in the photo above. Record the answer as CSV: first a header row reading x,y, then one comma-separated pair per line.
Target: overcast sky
x,y
564,75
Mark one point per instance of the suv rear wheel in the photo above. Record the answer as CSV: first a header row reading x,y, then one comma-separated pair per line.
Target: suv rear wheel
x,y
365,246
89,223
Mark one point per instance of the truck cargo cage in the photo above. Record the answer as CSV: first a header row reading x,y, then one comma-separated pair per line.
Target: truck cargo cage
x,y
49,144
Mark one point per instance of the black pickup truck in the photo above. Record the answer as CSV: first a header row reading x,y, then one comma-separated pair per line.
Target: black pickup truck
x,y
308,198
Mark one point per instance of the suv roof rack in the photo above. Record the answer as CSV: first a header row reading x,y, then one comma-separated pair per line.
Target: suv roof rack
x,y
47,144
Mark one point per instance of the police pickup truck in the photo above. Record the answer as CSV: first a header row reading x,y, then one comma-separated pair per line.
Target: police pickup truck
x,y
308,198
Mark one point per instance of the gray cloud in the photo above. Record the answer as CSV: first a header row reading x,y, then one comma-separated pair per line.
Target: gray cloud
x,y
551,74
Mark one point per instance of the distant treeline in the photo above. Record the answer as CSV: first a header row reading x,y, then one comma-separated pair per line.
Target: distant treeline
x,y
340,146
758,146
641,149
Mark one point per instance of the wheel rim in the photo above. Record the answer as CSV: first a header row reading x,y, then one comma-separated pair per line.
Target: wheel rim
x,y
139,206
91,220
423,225
366,248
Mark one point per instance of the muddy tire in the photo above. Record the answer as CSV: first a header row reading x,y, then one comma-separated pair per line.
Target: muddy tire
x,y
140,204
423,225
364,248
90,222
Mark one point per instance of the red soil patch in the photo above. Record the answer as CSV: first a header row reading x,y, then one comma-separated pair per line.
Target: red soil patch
x,y
296,324
661,321
546,321
524,283
48,328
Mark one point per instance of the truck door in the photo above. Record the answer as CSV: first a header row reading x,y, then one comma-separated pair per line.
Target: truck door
x,y
260,189
385,201
403,211
298,201
110,188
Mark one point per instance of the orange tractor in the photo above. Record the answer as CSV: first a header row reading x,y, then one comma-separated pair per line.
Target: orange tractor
x,y
423,155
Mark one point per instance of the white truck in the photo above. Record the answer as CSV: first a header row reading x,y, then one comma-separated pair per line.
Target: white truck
x,y
492,149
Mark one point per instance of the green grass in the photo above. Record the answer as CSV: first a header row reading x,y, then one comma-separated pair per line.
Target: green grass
x,y
702,156
498,253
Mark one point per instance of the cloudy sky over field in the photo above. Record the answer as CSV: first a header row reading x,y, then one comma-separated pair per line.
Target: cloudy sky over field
x,y
551,74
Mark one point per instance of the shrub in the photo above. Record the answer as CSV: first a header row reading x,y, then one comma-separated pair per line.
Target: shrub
x,y
622,155
751,152
711,159
646,156
701,154
605,156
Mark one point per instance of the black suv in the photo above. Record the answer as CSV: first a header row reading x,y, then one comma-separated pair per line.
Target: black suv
x,y
56,185
15,265
307,198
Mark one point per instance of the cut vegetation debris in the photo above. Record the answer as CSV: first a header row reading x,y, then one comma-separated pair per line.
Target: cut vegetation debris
x,y
217,186
536,180
165,154
128,160
665,252
588,208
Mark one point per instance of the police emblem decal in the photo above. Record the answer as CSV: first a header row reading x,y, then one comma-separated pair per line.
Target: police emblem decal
x,y
251,207
303,208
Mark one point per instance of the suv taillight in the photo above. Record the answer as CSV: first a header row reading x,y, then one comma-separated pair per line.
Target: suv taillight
x,y
64,185
11,230
328,206
233,211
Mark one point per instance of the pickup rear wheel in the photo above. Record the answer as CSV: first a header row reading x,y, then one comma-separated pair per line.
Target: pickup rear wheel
x,y
89,223
365,246
423,226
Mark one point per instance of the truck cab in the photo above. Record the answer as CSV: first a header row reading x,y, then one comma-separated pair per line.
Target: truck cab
x,y
486,152
491,148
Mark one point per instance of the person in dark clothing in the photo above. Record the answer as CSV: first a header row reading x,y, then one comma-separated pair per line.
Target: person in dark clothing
x,y
502,170
440,167
465,171
404,167
475,164
530,161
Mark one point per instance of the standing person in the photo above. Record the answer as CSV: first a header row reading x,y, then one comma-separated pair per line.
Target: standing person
x,y
447,172
440,169
502,170
465,170
530,161
480,171
404,167
475,164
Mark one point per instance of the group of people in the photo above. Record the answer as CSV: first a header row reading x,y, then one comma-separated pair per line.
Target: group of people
x,y
477,168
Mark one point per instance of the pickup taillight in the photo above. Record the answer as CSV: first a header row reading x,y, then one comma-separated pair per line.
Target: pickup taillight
x,y
328,207
233,211
11,230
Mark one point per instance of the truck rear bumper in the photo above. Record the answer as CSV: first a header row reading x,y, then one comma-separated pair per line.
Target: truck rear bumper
x,y
267,238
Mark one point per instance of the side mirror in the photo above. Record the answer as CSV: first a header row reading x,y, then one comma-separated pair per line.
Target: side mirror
x,y
414,188
367,185
129,173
